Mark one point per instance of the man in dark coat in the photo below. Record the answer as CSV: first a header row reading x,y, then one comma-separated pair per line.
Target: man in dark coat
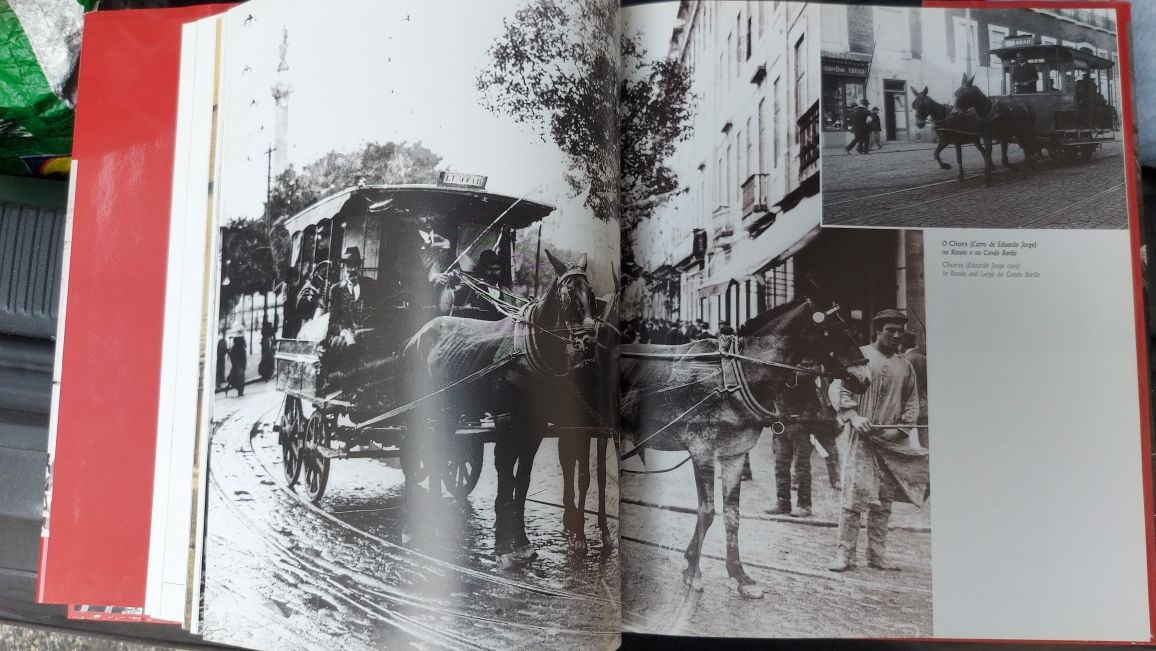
x,y
859,128
353,298
1024,75
351,305
875,129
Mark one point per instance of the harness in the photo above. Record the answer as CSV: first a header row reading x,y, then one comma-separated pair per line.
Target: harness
x,y
733,381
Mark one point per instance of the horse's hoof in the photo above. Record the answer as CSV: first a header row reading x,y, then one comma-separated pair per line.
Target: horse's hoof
x,y
694,581
525,553
944,166
506,561
746,590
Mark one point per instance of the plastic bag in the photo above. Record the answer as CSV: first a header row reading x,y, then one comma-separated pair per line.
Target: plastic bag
x,y
39,49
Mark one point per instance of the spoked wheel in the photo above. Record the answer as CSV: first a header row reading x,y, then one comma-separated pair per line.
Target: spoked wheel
x,y
292,439
316,465
463,467
413,462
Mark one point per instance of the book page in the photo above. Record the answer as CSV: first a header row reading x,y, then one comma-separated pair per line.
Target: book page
x,y
418,256
881,373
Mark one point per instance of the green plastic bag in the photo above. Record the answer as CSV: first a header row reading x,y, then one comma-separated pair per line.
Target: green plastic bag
x,y
35,120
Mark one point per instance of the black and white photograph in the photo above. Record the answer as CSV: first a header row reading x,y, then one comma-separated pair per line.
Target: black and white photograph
x,y
774,416
410,435
972,118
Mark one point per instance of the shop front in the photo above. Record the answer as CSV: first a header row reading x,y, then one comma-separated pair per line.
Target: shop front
x,y
844,87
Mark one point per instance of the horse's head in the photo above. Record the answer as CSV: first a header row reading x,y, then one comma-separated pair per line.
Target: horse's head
x,y
924,106
816,333
569,307
968,97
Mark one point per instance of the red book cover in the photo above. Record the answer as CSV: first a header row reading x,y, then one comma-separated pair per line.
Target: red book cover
x,y
112,309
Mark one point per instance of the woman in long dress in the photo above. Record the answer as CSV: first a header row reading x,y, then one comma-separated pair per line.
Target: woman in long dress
x,y
238,358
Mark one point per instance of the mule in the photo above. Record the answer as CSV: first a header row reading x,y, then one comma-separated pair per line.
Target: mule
x,y
515,367
951,127
1000,120
694,397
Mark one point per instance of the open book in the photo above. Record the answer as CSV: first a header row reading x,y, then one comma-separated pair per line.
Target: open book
x,y
532,323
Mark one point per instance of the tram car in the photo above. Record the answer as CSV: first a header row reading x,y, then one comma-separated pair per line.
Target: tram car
x,y
400,241
1073,95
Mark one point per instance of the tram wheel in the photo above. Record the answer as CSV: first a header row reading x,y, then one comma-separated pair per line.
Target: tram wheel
x,y
292,444
413,462
314,464
463,468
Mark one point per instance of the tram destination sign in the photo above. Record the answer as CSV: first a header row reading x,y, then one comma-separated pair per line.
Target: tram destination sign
x,y
1018,41
460,180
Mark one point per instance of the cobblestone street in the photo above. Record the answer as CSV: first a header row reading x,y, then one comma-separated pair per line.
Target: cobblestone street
x,y
902,186
788,556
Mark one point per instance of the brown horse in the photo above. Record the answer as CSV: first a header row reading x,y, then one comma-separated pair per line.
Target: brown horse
x,y
596,407
517,367
1000,120
951,127
712,398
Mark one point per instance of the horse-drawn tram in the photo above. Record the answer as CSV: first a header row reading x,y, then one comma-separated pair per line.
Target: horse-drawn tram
x,y
1065,87
371,266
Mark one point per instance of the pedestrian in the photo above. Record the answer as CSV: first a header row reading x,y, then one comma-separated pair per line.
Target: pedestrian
x,y
875,129
238,359
892,398
917,356
808,413
222,353
859,129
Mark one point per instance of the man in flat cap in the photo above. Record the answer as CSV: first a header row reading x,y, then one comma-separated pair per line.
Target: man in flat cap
x,y
869,424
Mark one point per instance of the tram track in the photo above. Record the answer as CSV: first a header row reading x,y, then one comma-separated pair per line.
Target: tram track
x,y
919,198
371,586
424,558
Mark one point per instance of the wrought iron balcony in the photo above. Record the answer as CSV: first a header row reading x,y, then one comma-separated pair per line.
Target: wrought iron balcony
x,y
722,226
755,194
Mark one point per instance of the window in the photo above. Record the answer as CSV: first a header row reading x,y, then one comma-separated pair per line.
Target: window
x,y
779,285
1047,40
740,171
762,138
718,186
729,187
748,35
749,167
739,42
800,76
776,129
995,37
840,95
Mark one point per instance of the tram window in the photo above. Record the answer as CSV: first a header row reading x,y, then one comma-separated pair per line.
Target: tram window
x,y
322,241
308,249
1055,81
295,251
353,234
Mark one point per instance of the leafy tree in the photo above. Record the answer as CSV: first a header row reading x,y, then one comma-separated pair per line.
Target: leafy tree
x,y
247,259
654,114
554,67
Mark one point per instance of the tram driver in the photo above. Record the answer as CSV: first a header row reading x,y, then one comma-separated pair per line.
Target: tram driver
x,y
1024,75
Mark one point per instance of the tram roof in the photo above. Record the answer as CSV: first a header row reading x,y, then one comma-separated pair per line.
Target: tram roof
x,y
1037,51
411,201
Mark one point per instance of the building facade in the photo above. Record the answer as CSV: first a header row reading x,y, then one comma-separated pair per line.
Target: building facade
x,y
744,236
881,54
